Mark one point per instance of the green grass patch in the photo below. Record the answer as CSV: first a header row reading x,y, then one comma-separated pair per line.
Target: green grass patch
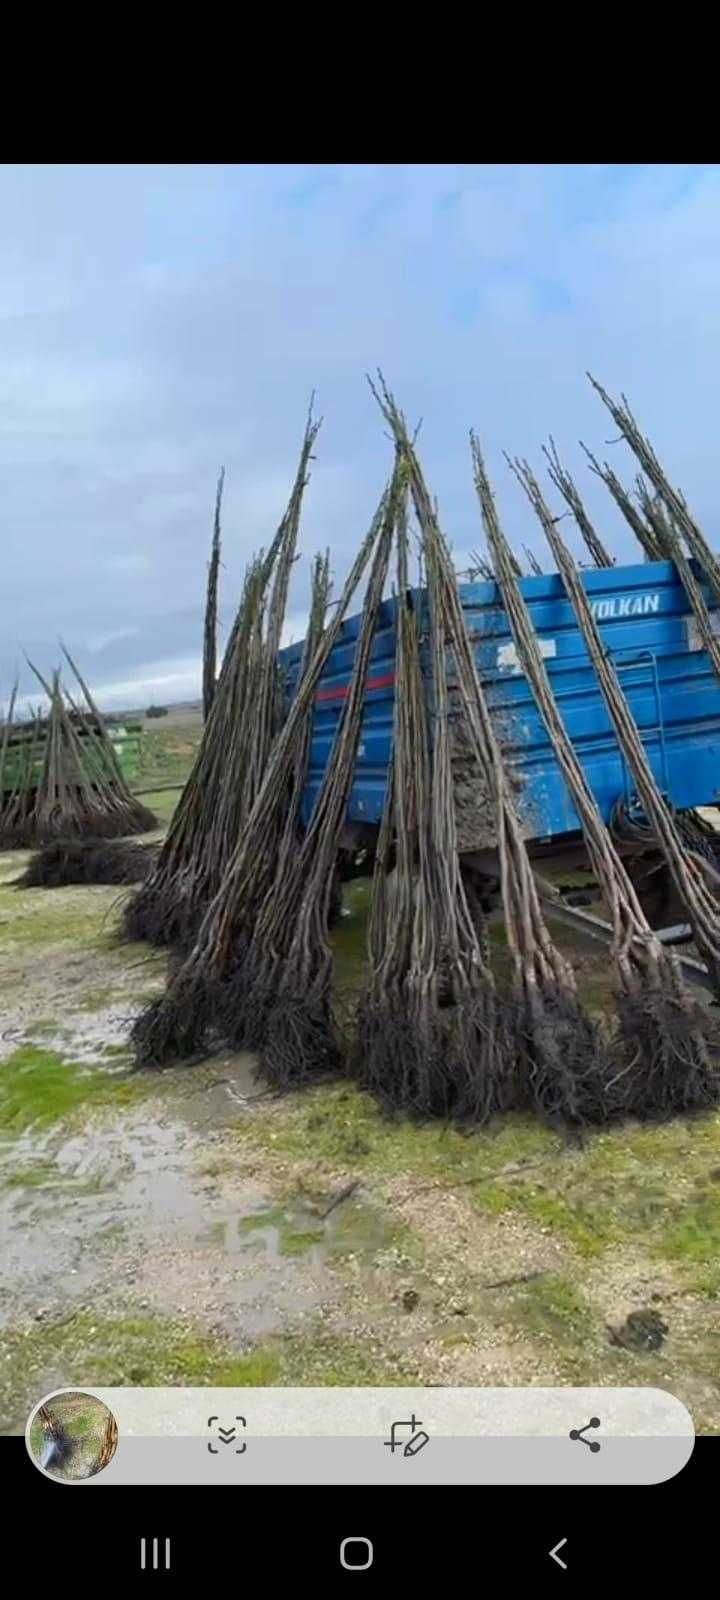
x,y
163,805
43,1176
38,1087
622,1186
57,916
136,1350
551,1309
295,1241
692,1238
149,1351
167,754
349,939
40,1176
631,1184
342,1127
590,1233
456,1341
356,1229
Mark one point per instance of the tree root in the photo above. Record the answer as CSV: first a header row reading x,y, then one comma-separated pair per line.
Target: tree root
x,y
432,1060
31,831
302,1043
568,1064
88,861
672,1050
162,914
403,1072
249,993
180,1025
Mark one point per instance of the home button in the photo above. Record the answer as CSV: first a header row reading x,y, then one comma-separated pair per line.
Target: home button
x,y
356,1555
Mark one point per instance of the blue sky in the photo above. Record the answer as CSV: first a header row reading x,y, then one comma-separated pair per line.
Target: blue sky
x,y
159,321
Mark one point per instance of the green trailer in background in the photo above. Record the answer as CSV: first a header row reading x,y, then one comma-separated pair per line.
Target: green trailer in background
x,y
26,746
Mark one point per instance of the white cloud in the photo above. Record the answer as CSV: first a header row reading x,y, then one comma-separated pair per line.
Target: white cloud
x,y
100,641
159,321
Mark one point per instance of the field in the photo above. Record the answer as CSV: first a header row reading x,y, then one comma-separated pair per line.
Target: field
x,y
188,1227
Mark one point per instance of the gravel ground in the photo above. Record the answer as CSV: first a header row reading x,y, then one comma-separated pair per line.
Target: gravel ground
x,y
176,1227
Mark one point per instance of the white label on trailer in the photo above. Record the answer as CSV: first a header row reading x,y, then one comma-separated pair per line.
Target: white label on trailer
x,y
626,605
694,637
507,655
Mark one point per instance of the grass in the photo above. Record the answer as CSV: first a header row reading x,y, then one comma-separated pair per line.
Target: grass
x,y
550,1210
51,917
550,1309
339,1127
95,1000
167,754
692,1238
134,1350
148,1351
349,937
42,1175
162,805
39,1087
658,1185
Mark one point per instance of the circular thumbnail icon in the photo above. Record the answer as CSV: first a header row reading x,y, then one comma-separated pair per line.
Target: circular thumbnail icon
x,y
71,1435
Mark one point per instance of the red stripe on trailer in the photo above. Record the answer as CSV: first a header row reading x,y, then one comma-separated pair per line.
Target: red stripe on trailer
x,y
385,681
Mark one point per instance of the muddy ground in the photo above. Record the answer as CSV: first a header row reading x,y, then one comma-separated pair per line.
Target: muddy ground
x,y
187,1227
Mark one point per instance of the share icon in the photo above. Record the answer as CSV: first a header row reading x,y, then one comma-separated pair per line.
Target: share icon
x,y
579,1433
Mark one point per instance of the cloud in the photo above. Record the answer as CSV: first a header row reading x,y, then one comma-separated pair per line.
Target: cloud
x,y
159,321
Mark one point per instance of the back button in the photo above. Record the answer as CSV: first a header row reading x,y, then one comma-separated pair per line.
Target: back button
x,y
555,1555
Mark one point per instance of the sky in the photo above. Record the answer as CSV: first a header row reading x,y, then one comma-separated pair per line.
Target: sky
x,y
161,321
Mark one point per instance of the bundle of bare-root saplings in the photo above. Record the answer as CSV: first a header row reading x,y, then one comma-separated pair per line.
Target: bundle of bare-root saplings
x,y
61,781
244,882
69,861
561,1062
216,990
430,1038
666,1046
244,713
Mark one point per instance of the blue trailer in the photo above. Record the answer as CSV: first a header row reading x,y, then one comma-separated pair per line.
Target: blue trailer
x,y
647,626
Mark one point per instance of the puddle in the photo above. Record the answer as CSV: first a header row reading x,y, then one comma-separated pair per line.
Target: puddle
x,y
124,1203
64,1199
304,1230
87,1038
281,1231
122,1207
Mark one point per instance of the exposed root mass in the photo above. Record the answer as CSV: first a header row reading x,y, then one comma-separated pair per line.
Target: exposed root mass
x,y
89,861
